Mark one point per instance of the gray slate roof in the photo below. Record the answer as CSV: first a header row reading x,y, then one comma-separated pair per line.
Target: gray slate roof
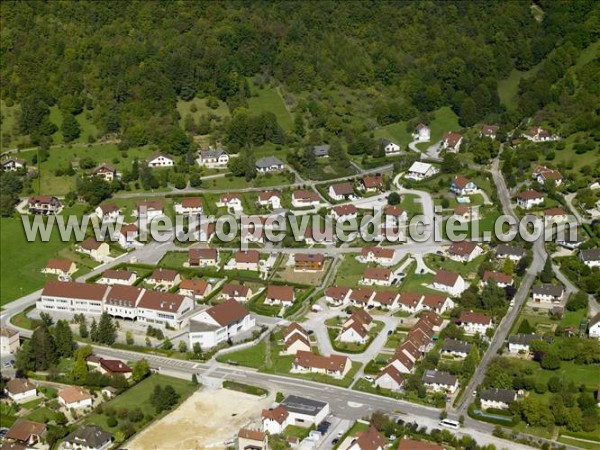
x,y
548,289
510,250
439,377
454,345
209,154
526,339
301,405
268,161
593,254
321,150
89,436
498,395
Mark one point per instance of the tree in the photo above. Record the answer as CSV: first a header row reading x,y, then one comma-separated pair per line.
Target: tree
x,y
197,349
94,190
451,163
80,369
550,361
107,332
393,198
167,344
83,330
554,384
182,347
129,338
194,379
63,337
46,319
547,274
525,327
94,330
70,128
577,302
43,348
140,370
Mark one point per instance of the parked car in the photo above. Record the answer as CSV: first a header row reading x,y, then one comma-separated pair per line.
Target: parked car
x,y
369,378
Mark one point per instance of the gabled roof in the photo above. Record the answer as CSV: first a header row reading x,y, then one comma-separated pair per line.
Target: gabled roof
x,y
158,155
462,248
489,130
410,299
59,264
498,395
345,210
529,195
278,414
161,301
334,363
227,312
115,366
309,196
161,274
434,301
198,254
498,277
454,345
452,139
292,328
461,182
372,181
357,327
197,286
249,256
108,208
226,198
526,339
191,202
361,316
73,394
370,439
411,444
122,295
252,435
378,252
91,244
361,295
393,373
594,320
90,436
393,211
104,168
446,277
554,212
385,297
377,273
402,358
150,205
343,188
511,250
267,195
548,289
337,292
473,317
117,274
19,386
235,290
592,254
22,430
71,289
283,293
268,161
439,377
309,257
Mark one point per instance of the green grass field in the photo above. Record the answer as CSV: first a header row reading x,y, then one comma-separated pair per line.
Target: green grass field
x,y
249,357
395,132
269,100
8,131
444,120
410,203
185,108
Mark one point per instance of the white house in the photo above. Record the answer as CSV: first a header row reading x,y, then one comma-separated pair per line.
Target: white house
x,y
439,304
401,362
121,301
105,171
455,348
20,390
150,209
247,260
390,378
9,341
88,437
268,164
269,198
368,440
97,250
233,202
336,366
594,327
394,216
72,297
213,159
529,199
489,131
305,199
385,299
542,174
344,212
555,215
280,295
422,133
160,160
420,170
275,420
75,397
167,278
305,412
238,292
379,255
439,381
354,333
451,142
337,295
61,267
590,257
372,183
162,308
219,323
464,213
502,280
474,323
13,164
548,293
497,398
463,186
449,282
537,134
127,235
519,343
410,302
203,257
342,191
189,206
108,212
117,276
511,252
390,148
196,288
378,276
464,251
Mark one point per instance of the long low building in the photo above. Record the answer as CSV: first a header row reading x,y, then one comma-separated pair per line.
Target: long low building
x,y
123,302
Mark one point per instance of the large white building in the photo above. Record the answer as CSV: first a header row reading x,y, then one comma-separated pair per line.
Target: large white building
x,y
71,297
9,341
219,324
420,170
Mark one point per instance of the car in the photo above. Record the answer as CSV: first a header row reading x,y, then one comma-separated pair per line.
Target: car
x,y
474,392
340,434
310,332
390,332
439,252
369,378
335,441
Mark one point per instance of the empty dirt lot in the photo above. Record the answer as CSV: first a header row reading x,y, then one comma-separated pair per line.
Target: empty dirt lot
x,y
208,419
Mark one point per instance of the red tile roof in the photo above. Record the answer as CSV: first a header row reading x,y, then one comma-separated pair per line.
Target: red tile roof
x,y
266,195
23,430
197,286
71,289
473,317
91,244
370,439
308,196
191,202
410,299
235,290
227,312
278,414
529,195
393,373
372,181
150,205
73,394
195,255
462,248
555,212
498,277
345,210
445,277
393,211
377,273
161,301
114,366
411,444
461,182
337,292
361,295
59,264
249,256
116,274
335,363
452,139
283,293
161,274
122,295
378,252
343,188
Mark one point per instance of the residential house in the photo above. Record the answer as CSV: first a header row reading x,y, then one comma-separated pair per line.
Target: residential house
x,y
542,174
308,262
117,276
439,381
474,323
280,295
292,330
43,205
206,231
449,282
189,206
360,297
497,398
547,293
594,327
75,397
203,257
321,151
269,198
342,191
354,333
529,199
379,255
13,164
127,235
27,433
275,420
247,260
464,213
9,341
20,390
555,215
72,297
385,299
233,202
304,199
121,301
162,308
196,289
394,216
501,279
268,164
368,440
160,160
411,444
455,348
97,250
410,302
344,212
378,276
422,133
108,212
88,437
337,295
511,252
219,323
360,316
464,251
537,134
111,367
295,339
463,186
237,292
390,378
420,170
519,343
590,257
489,131
402,362
439,304
389,148
372,183
248,439
305,412
61,267
451,142
106,172
336,366
409,349
317,235
213,159
149,210
166,278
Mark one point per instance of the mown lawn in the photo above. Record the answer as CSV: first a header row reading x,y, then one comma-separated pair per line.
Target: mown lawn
x,y
395,132
249,357
269,100
444,120
349,272
411,204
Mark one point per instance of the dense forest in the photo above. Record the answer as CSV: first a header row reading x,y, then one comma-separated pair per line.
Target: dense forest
x,y
128,63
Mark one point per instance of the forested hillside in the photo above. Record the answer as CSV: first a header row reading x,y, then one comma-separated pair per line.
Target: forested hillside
x,y
125,65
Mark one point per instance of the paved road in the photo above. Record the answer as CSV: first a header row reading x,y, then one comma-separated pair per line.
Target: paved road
x,y
539,257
